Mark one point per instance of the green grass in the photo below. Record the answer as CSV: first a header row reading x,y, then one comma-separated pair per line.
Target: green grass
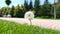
x,y
44,17
7,27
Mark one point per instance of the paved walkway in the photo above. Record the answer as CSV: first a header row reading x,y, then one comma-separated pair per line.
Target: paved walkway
x,y
46,23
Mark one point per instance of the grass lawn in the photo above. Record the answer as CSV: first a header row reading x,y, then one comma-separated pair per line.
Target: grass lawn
x,y
7,27
46,17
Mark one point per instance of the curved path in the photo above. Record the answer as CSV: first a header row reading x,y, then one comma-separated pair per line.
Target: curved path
x,y
46,23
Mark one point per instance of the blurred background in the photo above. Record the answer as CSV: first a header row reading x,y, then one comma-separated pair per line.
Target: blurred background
x,y
41,8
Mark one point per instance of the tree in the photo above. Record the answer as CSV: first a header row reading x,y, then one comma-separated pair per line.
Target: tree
x,y
26,5
12,11
7,2
3,9
19,12
46,10
37,7
58,12
46,2
30,5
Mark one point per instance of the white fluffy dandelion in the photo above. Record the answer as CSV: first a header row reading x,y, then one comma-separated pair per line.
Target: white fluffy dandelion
x,y
29,15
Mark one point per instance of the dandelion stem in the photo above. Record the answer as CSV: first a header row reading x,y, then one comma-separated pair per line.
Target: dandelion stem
x,y
30,21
